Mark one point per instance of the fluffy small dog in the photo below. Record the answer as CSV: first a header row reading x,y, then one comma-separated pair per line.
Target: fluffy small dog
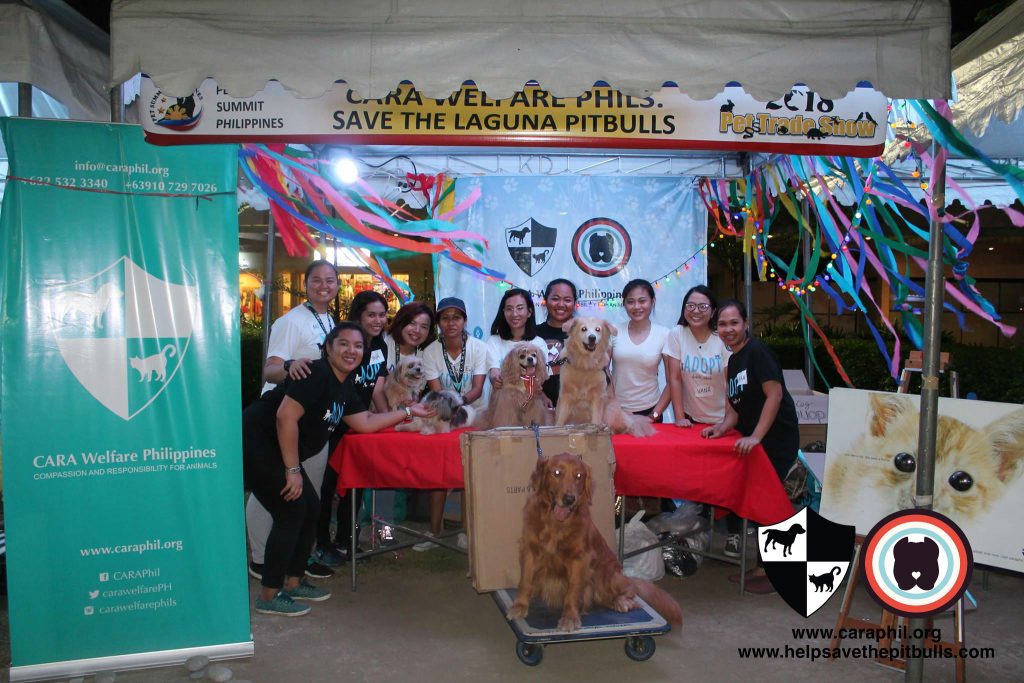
x,y
405,385
585,394
520,400
564,561
451,411
973,467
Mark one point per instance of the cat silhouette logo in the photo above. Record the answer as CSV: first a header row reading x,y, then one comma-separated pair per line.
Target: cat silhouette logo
x,y
806,558
123,333
530,245
601,247
916,563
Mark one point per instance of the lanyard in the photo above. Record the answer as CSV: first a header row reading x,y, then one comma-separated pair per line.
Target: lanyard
x,y
319,321
451,370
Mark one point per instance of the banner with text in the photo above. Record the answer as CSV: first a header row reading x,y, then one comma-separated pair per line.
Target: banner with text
x,y
120,401
599,232
801,122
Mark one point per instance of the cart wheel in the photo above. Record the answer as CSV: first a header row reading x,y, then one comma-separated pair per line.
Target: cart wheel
x,y
529,654
640,648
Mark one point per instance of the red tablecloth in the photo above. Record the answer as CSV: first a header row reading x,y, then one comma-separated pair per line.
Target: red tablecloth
x,y
674,463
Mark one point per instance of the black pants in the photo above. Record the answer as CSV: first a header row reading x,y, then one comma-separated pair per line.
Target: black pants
x,y
294,528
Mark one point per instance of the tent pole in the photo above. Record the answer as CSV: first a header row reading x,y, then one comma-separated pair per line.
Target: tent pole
x,y
25,100
927,427
268,290
748,283
116,105
805,236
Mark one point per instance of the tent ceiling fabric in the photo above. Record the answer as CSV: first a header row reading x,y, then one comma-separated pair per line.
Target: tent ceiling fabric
x,y
47,44
900,46
989,72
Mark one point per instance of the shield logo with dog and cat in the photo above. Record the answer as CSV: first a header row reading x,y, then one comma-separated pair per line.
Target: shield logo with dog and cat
x,y
530,245
122,333
806,557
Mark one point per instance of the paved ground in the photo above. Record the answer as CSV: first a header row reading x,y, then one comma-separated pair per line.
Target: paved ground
x,y
416,619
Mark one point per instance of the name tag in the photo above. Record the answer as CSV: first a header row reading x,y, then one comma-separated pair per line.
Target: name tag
x,y
376,356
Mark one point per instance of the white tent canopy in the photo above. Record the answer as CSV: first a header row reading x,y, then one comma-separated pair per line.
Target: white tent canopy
x,y
47,44
900,46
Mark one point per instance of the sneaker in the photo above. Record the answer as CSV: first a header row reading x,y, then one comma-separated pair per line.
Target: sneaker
x,y
318,571
256,570
732,545
307,591
424,546
462,540
329,556
281,605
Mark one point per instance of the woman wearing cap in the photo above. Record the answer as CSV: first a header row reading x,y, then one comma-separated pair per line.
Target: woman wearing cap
x,y
410,333
458,362
560,302
514,322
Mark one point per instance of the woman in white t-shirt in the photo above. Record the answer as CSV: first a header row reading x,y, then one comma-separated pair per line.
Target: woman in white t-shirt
x,y
514,322
458,362
410,333
697,362
637,353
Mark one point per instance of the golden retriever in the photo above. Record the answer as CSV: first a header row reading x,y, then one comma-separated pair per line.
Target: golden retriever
x,y
585,394
564,561
405,384
520,400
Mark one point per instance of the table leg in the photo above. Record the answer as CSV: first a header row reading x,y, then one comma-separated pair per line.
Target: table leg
x,y
352,541
622,531
743,555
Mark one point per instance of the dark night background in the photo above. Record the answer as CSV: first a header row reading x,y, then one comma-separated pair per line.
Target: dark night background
x,y
967,15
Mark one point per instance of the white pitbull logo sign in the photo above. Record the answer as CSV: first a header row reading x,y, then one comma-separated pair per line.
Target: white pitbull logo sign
x,y
123,333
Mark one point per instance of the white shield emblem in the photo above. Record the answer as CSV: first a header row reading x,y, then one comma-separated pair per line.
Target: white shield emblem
x,y
123,333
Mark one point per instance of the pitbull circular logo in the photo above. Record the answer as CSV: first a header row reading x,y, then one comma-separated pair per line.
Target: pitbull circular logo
x,y
176,113
601,247
916,563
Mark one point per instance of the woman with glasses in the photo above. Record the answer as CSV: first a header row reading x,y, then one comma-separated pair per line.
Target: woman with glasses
x,y
514,322
697,359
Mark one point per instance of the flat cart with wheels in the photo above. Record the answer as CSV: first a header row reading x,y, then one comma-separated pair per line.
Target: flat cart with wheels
x,y
637,627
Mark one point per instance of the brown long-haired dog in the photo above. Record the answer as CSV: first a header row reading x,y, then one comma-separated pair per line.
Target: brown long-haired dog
x,y
585,394
563,559
520,401
405,384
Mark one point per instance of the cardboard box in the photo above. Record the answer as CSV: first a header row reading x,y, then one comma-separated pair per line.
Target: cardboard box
x,y
497,466
811,407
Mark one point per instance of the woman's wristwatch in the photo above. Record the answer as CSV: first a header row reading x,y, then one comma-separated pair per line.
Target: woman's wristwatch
x,y
293,470
408,413
655,414
287,366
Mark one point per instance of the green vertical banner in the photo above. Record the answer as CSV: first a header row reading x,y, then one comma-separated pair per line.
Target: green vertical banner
x,y
121,421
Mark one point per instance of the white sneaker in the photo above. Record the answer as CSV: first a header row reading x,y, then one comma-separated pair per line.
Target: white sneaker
x,y
462,540
424,546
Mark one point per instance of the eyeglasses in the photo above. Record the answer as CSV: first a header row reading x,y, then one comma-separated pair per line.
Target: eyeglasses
x,y
703,308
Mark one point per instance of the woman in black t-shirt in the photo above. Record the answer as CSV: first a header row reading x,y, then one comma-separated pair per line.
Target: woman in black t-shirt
x,y
759,406
286,426
560,302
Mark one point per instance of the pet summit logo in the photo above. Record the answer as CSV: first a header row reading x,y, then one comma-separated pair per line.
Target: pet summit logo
x,y
530,245
176,113
123,333
916,563
601,247
806,558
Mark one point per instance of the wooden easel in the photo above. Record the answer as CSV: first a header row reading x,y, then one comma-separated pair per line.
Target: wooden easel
x,y
889,619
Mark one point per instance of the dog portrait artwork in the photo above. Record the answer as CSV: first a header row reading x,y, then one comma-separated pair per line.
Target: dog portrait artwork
x,y
519,402
784,538
586,395
405,384
155,366
825,581
451,413
565,563
873,457
601,247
